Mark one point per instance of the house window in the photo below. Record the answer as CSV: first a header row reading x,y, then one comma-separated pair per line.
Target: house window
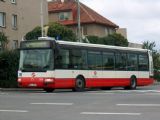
x,y
13,1
14,21
15,44
64,16
2,19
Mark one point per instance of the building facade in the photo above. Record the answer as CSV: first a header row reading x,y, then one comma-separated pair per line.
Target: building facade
x,y
92,23
17,17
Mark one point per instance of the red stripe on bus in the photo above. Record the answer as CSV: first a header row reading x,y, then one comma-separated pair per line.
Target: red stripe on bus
x,y
102,82
90,82
145,81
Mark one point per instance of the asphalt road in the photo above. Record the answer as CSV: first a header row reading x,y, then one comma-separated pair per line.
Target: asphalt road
x,y
119,104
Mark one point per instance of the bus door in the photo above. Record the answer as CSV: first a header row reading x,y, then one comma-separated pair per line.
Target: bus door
x,y
95,73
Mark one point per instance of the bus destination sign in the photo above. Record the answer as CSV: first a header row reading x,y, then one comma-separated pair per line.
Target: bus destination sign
x,y
35,44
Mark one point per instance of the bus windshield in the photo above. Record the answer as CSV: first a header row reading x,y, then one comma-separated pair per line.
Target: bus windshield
x,y
33,60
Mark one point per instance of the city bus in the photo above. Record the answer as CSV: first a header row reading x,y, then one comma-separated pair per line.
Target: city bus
x,y
54,64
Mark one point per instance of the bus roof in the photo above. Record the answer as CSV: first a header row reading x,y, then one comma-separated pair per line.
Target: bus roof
x,y
101,46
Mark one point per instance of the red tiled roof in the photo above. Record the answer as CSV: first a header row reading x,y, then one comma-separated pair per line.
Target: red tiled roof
x,y
87,14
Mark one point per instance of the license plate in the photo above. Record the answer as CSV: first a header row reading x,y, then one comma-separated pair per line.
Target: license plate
x,y
32,85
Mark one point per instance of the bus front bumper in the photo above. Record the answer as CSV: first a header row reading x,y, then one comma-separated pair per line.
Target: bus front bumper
x,y
29,82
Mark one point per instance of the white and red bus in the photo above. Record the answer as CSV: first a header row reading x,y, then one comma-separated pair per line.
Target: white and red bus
x,y
51,64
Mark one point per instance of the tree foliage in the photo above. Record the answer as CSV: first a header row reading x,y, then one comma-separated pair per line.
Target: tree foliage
x,y
93,39
112,39
156,57
3,40
54,30
57,30
34,34
149,45
9,61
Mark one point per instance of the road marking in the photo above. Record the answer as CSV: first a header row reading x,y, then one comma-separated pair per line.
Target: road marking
x,y
16,111
51,103
98,93
2,93
104,113
152,93
126,91
140,105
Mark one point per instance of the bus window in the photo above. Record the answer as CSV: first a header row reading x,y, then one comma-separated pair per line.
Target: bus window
x,y
132,63
62,60
108,61
143,63
84,59
121,60
94,60
78,59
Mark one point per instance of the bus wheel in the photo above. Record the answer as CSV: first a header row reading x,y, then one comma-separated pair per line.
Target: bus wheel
x,y
48,90
79,85
133,84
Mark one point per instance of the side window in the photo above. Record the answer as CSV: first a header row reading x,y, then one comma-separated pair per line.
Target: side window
x,y
78,59
62,60
132,63
143,63
94,60
121,60
108,61
84,60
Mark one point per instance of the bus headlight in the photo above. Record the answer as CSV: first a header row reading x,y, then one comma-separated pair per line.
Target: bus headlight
x,y
48,80
19,80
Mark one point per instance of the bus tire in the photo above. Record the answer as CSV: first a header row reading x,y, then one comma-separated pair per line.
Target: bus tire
x,y
79,85
133,84
48,90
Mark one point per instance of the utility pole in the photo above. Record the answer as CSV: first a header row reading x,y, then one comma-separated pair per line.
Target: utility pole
x,y
42,34
79,22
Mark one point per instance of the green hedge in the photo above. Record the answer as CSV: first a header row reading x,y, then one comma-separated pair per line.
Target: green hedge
x,y
9,61
157,75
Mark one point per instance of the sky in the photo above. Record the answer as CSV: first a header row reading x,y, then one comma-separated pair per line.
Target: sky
x,y
140,17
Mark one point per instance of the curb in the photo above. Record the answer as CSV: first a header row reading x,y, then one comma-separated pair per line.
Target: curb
x,y
156,83
19,89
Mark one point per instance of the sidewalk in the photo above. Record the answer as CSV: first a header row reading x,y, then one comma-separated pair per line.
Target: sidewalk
x,y
156,83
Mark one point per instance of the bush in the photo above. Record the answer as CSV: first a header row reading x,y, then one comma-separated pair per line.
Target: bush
x,y
157,75
9,61
115,40
112,39
93,39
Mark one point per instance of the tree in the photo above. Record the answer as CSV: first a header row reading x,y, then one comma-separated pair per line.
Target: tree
x,y
62,32
151,46
156,57
3,40
34,34
115,39
55,30
112,39
9,61
93,39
